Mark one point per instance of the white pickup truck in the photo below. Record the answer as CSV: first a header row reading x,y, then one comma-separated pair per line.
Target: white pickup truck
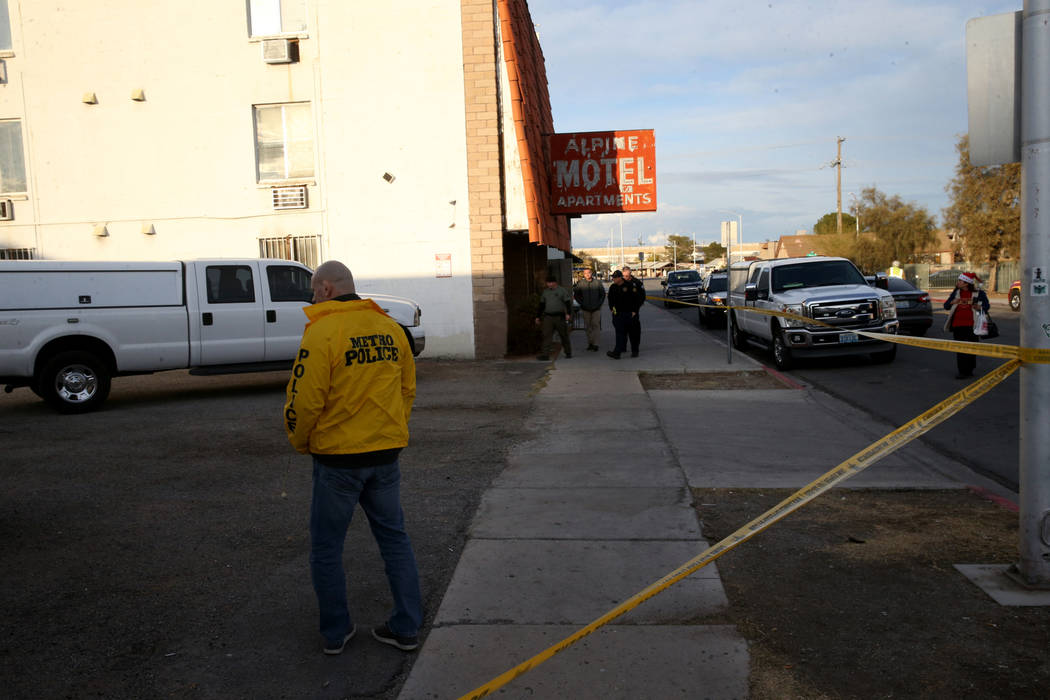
x,y
67,328
830,291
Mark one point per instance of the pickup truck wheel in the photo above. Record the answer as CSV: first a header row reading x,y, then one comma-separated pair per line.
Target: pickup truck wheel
x,y
1015,300
781,352
738,337
74,382
885,357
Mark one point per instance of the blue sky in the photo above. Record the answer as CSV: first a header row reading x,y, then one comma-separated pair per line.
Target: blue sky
x,y
747,99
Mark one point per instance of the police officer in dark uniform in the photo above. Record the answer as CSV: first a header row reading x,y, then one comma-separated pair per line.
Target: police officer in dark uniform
x,y
635,294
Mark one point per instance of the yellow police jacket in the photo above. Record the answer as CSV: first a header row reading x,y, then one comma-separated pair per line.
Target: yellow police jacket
x,y
353,382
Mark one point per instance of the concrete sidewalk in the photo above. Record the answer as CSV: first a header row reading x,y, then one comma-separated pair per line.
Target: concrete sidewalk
x,y
596,506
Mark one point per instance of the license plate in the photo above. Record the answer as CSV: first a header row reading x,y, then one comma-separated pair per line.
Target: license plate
x,y
848,337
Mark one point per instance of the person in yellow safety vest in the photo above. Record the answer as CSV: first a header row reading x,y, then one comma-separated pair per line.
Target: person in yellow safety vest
x,y
895,269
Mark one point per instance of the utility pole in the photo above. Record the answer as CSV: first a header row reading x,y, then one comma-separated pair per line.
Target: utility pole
x,y
838,195
1034,477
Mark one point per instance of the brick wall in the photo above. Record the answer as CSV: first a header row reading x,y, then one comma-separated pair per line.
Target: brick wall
x,y
480,84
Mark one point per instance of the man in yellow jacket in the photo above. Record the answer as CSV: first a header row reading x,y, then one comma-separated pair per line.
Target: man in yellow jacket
x,y
348,404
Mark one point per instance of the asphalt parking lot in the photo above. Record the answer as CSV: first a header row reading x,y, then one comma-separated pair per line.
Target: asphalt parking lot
x,y
158,547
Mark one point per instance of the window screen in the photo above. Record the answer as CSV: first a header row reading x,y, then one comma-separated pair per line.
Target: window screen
x,y
268,17
12,164
284,141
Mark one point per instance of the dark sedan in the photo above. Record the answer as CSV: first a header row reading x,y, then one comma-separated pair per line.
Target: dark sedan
x,y
712,294
914,310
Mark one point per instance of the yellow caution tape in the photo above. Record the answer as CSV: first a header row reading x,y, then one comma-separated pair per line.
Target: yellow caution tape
x,y
1009,352
854,465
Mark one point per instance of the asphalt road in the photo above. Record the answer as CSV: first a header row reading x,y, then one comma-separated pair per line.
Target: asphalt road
x,y
158,547
984,436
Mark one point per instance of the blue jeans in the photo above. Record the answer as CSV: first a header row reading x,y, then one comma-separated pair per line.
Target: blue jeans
x,y
378,490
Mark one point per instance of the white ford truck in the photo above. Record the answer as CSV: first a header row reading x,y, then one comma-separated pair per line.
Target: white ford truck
x,y
67,328
831,291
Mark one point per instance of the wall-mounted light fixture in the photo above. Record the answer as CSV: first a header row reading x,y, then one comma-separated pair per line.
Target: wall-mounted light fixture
x,y
89,98
138,94
388,177
100,230
149,230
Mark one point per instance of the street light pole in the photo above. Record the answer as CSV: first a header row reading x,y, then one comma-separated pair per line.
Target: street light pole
x,y
1034,466
729,264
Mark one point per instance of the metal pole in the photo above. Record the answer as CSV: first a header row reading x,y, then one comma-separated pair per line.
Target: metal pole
x,y
622,263
1034,467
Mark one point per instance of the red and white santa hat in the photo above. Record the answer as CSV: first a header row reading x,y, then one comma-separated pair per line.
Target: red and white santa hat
x,y
968,278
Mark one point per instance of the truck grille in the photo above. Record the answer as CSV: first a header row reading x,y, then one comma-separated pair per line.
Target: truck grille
x,y
855,313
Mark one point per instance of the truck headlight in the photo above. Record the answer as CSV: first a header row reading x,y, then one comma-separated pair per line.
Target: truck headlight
x,y
792,309
888,307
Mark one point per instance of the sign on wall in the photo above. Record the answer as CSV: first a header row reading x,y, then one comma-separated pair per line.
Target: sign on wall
x,y
598,172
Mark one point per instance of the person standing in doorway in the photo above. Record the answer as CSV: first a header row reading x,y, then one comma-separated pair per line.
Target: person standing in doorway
x,y
554,314
635,292
590,293
961,304
348,404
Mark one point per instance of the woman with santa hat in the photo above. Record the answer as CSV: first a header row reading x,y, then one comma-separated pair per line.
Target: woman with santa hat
x,y
961,303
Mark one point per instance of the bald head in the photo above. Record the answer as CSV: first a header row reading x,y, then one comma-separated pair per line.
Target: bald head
x,y
331,279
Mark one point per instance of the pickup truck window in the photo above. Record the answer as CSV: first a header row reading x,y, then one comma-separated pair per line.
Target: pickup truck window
x,y
763,280
716,284
815,274
289,283
230,284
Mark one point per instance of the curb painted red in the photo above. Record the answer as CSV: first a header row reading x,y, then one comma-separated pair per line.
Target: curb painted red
x,y
994,498
783,378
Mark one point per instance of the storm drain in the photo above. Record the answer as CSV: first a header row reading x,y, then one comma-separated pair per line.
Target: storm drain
x,y
693,381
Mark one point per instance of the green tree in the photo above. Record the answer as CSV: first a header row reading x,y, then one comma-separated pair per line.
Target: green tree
x,y
713,251
679,249
900,228
829,224
985,207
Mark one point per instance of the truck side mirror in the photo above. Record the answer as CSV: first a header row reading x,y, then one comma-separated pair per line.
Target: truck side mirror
x,y
881,281
663,283
750,292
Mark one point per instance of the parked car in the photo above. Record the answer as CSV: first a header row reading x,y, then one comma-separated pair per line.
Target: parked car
x,y
1015,295
914,310
712,293
680,285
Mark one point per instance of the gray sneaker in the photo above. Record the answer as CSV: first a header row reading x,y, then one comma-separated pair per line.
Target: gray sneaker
x,y
384,635
337,647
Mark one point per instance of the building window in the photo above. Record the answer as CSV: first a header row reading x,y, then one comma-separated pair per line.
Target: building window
x,y
304,249
5,27
270,17
17,253
12,164
284,141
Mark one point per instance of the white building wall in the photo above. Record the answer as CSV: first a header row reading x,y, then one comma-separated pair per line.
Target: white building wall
x,y
386,88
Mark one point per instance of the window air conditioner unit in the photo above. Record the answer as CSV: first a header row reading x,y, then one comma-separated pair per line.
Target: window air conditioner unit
x,y
280,50
289,197
7,210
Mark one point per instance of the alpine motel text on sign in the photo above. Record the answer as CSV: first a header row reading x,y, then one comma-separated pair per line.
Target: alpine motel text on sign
x,y
597,172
